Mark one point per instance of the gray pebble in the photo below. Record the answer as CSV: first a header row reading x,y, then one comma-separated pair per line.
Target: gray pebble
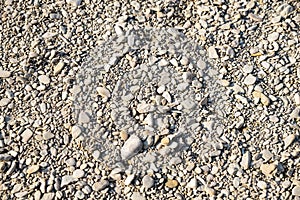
x,y
78,173
131,147
66,180
100,185
250,79
296,191
148,181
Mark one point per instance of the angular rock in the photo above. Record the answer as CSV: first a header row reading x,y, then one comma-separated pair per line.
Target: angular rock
x,y
26,135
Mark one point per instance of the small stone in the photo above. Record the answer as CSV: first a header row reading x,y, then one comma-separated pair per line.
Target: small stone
x,y
131,147
264,99
262,185
103,92
66,180
212,52
267,155
83,118
192,184
78,173
4,74
26,135
246,160
79,195
48,196
123,135
267,169
32,169
100,185
74,2
59,67
44,79
289,140
209,191
171,183
284,9
16,188
4,102
165,141
129,179
147,181
273,37
295,113
76,131
184,61
137,196
248,69
250,79
47,135
296,191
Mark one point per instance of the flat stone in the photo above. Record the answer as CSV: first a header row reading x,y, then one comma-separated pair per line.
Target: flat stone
x,y
58,68
74,2
246,160
262,185
147,181
267,169
171,183
250,79
212,52
137,196
48,196
192,184
4,102
26,135
273,37
296,191
129,179
66,180
97,186
48,135
32,169
5,74
44,79
267,155
131,147
78,173
289,140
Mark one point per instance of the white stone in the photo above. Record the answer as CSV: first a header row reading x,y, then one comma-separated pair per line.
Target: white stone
x,y
78,173
250,79
147,181
212,52
129,179
44,79
131,147
26,135
66,180
4,74
192,184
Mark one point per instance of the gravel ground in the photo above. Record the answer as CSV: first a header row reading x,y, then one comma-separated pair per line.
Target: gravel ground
x,y
90,108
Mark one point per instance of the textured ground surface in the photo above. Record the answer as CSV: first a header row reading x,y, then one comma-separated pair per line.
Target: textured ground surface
x,y
248,84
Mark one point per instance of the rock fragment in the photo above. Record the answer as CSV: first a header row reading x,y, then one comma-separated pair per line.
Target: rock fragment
x,y
267,169
97,186
212,52
250,79
171,183
44,79
131,147
289,140
66,180
296,191
59,67
147,181
26,135
4,74
246,160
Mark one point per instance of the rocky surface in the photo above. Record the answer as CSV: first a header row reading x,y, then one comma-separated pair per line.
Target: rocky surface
x,y
252,50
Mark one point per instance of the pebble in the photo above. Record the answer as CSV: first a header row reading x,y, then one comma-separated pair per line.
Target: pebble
x,y
4,74
210,191
171,183
289,140
212,53
273,37
26,135
48,135
66,180
97,186
59,67
267,169
137,196
250,79
193,183
147,181
267,155
4,102
44,79
296,191
295,113
262,185
78,173
165,141
103,92
246,160
74,2
284,9
75,131
129,179
48,196
32,169
297,99
131,147
248,69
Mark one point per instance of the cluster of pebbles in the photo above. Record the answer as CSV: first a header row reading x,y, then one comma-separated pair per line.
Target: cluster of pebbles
x,y
85,115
